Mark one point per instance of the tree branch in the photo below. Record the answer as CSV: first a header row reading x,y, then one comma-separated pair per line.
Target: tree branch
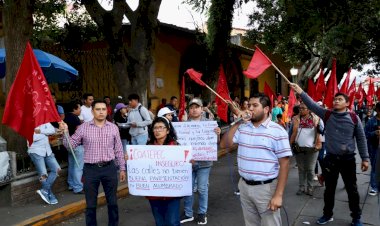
x,y
96,11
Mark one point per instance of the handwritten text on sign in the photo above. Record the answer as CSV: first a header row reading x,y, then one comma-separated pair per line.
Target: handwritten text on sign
x,y
201,137
159,170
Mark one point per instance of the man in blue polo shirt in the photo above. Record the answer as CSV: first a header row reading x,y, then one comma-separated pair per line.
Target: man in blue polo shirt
x,y
263,161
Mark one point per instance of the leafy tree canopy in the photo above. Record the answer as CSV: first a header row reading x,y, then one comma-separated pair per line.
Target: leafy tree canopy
x,y
300,30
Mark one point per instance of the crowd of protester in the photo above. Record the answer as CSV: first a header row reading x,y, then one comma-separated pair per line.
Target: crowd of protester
x,y
310,135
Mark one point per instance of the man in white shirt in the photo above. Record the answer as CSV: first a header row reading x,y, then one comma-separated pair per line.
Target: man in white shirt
x,y
86,110
42,156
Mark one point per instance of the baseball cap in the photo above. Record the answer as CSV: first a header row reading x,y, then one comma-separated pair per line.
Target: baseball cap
x,y
120,106
164,111
196,101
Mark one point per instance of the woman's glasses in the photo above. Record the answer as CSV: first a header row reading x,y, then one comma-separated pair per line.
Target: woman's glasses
x,y
159,128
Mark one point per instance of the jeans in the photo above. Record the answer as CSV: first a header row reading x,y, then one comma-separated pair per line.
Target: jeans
x,y
166,212
124,142
346,166
40,162
321,156
141,139
201,175
373,156
93,176
306,163
75,172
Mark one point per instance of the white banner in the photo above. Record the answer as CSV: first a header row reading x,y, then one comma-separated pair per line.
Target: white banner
x,y
201,137
159,170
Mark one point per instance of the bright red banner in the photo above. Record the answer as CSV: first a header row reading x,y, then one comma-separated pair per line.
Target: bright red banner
x,y
344,87
29,102
182,100
195,76
320,87
291,102
311,89
269,92
332,87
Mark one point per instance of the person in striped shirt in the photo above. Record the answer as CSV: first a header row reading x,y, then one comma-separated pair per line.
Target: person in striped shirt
x,y
263,161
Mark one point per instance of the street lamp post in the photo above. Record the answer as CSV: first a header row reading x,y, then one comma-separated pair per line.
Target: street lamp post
x,y
294,73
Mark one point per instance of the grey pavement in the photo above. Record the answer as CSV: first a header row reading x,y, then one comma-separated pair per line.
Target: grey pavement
x,y
225,210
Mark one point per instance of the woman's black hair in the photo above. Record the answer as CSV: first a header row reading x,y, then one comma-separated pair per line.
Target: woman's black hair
x,y
172,136
117,117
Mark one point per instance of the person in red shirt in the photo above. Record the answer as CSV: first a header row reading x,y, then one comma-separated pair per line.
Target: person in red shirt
x,y
164,209
107,99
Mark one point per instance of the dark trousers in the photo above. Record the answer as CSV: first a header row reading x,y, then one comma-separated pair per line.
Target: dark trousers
x,y
93,176
346,166
166,212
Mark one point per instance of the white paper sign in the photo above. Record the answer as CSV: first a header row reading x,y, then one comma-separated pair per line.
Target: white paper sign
x,y
159,170
201,137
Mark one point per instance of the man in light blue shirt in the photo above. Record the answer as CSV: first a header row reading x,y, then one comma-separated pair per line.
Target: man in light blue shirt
x,y
42,156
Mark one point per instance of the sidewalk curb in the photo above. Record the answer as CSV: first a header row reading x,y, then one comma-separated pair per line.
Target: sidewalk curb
x,y
73,209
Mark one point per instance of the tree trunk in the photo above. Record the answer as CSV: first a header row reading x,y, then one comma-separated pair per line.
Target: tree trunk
x,y
18,28
131,65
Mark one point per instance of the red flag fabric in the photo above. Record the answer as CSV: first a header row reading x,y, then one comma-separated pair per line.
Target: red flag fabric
x,y
370,94
352,88
344,87
29,102
182,100
311,89
259,63
291,102
320,87
195,76
222,90
352,100
360,94
279,98
332,87
269,92
378,94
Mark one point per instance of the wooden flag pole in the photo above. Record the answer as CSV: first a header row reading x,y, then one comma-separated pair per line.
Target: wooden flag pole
x,y
282,75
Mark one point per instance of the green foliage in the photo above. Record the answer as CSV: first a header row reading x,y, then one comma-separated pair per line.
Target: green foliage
x,y
298,30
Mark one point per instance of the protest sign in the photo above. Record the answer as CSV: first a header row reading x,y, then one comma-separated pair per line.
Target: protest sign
x,y
159,170
201,137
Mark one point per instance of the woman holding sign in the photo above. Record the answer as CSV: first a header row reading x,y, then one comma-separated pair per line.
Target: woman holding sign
x,y
165,209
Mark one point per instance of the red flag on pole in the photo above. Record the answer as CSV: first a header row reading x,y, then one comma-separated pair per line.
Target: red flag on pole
x,y
268,91
378,94
29,103
311,89
291,102
222,90
182,100
370,93
195,76
259,63
344,87
320,87
352,88
360,94
332,87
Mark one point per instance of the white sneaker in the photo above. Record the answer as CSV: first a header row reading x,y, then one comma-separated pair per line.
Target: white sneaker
x,y
315,178
372,192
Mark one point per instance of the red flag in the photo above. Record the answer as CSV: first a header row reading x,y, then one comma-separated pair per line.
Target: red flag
x,y
378,94
370,94
360,95
320,87
182,100
29,103
195,76
332,87
352,100
352,88
344,87
311,89
291,102
268,91
222,90
279,98
259,63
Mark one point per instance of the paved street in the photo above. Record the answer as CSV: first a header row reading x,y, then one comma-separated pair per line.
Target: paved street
x,y
225,210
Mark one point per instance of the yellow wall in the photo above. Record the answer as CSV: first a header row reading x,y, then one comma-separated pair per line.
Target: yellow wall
x,y
166,64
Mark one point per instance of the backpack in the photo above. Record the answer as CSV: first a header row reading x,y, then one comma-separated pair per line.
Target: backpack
x,y
139,108
328,113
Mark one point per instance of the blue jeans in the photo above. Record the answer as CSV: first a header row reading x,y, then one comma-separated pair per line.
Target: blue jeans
x,y
93,176
124,142
141,139
201,175
41,162
166,212
75,172
372,157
